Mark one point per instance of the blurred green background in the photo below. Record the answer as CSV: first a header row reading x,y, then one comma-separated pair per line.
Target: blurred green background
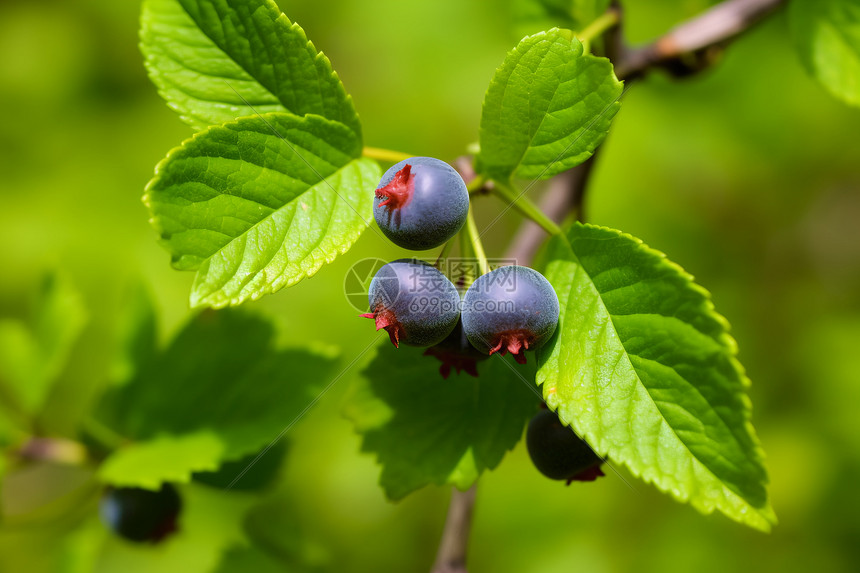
x,y
748,176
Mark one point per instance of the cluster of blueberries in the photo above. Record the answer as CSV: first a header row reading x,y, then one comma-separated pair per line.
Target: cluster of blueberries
x,y
421,203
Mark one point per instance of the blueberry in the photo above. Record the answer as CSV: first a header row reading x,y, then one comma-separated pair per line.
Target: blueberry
x,y
558,453
420,203
456,352
140,514
511,309
414,302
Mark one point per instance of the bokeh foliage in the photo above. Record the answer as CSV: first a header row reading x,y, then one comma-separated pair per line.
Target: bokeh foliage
x,y
747,175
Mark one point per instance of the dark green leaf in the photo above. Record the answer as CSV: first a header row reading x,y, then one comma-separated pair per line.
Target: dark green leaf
x,y
254,471
428,430
220,377
137,335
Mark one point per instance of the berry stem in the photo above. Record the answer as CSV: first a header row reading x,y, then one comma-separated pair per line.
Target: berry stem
x,y
387,155
598,26
446,250
103,435
465,280
524,205
476,185
475,240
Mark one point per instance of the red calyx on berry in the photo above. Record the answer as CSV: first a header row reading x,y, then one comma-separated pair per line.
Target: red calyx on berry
x,y
588,474
398,192
453,359
385,318
514,341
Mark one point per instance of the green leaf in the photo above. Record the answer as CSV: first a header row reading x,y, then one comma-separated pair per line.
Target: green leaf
x,y
252,472
272,528
261,203
547,108
250,559
221,377
163,459
33,354
137,335
531,16
644,368
10,432
827,36
216,60
427,430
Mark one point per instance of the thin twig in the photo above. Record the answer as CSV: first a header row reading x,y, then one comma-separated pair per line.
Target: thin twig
x,y
711,29
451,557
565,195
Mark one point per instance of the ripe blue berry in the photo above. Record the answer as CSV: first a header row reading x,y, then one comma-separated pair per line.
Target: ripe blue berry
x,y
558,453
511,309
414,302
420,203
456,352
140,514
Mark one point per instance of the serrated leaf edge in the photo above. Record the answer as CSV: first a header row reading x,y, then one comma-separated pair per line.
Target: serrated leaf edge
x,y
565,33
152,71
279,284
456,478
708,506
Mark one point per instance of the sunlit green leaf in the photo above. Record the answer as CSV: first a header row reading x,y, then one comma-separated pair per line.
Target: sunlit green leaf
x,y
163,459
33,354
261,203
827,35
548,107
424,429
644,368
216,60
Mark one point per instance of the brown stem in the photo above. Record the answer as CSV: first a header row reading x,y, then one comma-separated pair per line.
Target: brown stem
x,y
694,38
451,557
56,450
565,195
